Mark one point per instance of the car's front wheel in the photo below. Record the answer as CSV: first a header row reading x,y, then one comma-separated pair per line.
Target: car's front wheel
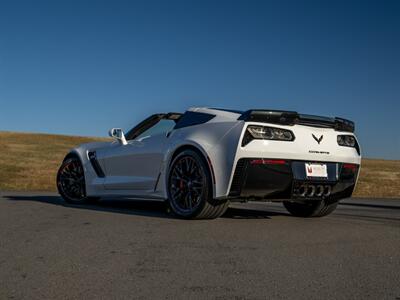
x,y
71,182
190,192
311,208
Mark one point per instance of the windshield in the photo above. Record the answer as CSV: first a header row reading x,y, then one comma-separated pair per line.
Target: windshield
x,y
162,127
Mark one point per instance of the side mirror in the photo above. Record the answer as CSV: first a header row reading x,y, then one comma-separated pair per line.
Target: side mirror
x,y
118,134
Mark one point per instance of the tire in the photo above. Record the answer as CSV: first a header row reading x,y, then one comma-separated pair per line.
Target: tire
x,y
189,188
71,182
310,209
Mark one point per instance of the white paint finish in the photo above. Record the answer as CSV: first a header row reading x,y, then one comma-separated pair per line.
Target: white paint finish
x,y
134,166
216,139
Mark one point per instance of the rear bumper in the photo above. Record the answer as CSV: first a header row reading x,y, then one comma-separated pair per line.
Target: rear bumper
x,y
261,178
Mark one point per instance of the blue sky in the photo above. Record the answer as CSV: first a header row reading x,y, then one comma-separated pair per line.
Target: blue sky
x,y
81,67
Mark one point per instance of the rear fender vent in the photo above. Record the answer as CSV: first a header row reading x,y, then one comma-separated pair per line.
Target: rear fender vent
x,y
238,180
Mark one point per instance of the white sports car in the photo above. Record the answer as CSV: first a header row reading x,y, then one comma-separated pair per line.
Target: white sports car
x,y
202,159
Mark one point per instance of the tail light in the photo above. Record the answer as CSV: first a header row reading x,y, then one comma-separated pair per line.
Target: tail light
x,y
257,132
268,162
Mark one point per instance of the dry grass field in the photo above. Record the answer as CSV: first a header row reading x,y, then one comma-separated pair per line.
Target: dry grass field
x,y
379,179
30,162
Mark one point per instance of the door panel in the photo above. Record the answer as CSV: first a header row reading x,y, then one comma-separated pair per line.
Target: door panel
x,y
134,166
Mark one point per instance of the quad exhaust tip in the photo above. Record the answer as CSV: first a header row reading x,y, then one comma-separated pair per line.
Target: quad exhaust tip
x,y
311,190
319,191
302,191
327,190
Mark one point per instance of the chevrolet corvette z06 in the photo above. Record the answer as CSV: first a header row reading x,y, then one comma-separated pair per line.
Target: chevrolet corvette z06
x,y
205,158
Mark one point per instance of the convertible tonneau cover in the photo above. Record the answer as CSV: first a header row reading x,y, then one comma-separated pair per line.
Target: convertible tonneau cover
x,y
291,118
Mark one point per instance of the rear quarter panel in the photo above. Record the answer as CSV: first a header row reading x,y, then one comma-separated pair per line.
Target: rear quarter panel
x,y
215,140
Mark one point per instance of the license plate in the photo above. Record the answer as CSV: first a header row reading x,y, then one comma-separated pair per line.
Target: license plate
x,y
316,170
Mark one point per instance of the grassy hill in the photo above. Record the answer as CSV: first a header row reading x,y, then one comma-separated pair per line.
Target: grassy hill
x,y
30,162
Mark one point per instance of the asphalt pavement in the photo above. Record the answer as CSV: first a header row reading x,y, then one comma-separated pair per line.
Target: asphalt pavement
x,y
135,250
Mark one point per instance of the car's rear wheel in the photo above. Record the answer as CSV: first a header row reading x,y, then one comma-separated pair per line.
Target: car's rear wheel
x,y
190,193
310,208
71,182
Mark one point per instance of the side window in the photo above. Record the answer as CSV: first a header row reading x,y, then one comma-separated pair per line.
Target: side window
x,y
163,126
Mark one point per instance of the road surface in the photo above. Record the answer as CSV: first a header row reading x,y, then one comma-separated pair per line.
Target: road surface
x,y
135,250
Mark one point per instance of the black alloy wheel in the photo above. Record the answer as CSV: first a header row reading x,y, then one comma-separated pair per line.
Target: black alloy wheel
x,y
190,188
71,181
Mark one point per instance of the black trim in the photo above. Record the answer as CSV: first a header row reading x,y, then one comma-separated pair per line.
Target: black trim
x,y
279,180
158,179
291,118
95,164
267,180
247,138
191,118
344,125
269,116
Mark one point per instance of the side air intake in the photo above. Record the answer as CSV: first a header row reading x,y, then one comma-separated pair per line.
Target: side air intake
x,y
95,164
237,181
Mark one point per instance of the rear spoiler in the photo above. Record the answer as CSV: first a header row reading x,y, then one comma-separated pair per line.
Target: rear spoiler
x,y
291,118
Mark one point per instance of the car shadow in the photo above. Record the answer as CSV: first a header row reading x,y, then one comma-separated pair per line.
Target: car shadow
x,y
245,213
130,207
139,207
